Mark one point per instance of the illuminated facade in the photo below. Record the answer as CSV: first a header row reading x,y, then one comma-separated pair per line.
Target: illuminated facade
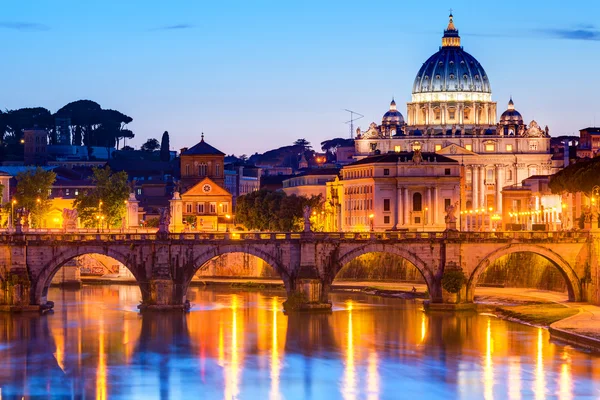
x,y
452,114
396,191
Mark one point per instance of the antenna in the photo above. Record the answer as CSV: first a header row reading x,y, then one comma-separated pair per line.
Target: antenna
x,y
352,119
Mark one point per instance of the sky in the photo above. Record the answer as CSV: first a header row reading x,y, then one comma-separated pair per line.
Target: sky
x,y
256,75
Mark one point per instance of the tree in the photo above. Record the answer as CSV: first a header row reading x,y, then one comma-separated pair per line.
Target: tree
x,y
106,199
579,177
273,211
305,144
150,145
32,191
165,155
333,144
127,148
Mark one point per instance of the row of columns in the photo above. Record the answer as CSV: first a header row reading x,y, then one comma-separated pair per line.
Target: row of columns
x,y
479,186
488,114
430,207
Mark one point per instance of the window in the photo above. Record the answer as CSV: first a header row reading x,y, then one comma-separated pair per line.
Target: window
x,y
469,147
466,114
509,175
139,191
438,147
490,176
447,171
200,208
373,146
533,146
218,169
489,147
225,207
76,192
67,192
386,171
188,207
187,169
417,202
202,169
417,220
437,114
451,114
386,204
397,149
416,146
212,207
386,219
509,147
447,203
469,176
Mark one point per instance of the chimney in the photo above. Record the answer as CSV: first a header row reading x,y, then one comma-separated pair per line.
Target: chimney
x,y
183,150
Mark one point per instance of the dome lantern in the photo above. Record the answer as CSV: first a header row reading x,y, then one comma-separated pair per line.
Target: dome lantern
x,y
451,38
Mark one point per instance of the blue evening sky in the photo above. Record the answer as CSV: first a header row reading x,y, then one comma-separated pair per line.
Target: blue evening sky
x,y
254,75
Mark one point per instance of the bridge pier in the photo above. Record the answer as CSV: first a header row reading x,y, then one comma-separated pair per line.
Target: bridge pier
x,y
16,293
161,295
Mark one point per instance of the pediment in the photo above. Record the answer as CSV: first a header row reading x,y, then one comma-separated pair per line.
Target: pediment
x,y
199,189
455,150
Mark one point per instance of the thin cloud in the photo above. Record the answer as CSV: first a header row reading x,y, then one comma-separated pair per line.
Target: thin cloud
x,y
587,32
24,26
175,27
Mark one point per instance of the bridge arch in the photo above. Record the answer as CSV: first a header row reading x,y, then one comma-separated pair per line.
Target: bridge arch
x,y
41,283
202,258
573,283
427,273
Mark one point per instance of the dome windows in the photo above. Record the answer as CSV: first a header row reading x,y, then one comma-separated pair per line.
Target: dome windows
x,y
437,77
451,76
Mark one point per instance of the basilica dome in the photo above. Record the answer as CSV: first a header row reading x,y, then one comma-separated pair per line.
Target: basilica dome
x,y
451,69
511,116
393,116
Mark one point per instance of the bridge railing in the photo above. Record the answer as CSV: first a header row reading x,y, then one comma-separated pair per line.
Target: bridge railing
x,y
286,236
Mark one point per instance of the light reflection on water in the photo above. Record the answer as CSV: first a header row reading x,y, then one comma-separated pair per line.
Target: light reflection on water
x,y
240,345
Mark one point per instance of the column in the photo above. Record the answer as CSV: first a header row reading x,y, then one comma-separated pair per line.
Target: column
x,y
436,202
397,218
474,185
499,184
482,191
406,207
428,207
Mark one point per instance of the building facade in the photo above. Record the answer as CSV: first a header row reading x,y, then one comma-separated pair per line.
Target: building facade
x,y
199,162
452,114
310,183
395,191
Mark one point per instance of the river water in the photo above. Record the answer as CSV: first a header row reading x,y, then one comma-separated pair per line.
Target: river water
x,y
240,345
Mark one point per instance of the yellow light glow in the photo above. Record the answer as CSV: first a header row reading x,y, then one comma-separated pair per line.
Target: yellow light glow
x,y
488,367
371,216
540,376
514,378
565,383
349,385
275,363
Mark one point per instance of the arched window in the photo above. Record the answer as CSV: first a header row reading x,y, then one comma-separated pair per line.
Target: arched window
x,y
469,205
218,170
417,202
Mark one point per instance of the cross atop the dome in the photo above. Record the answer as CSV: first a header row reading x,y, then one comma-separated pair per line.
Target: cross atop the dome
x,y
203,136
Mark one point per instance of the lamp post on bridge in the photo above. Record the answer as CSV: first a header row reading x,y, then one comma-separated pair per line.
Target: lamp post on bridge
x,y
371,220
595,198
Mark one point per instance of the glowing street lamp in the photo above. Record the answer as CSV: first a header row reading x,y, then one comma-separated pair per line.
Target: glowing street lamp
x,y
371,218
227,226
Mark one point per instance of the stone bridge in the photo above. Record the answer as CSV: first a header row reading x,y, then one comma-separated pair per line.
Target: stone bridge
x,y
164,264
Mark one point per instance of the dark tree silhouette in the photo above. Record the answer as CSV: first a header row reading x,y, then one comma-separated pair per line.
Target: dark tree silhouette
x,y
164,147
150,145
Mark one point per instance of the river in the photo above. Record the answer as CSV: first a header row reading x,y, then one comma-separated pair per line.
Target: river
x,y
240,345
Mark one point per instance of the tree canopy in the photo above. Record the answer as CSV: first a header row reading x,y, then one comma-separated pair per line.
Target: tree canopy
x,y
332,145
106,199
579,177
32,192
150,145
266,210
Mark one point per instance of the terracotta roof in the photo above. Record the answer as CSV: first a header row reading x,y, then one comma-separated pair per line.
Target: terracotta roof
x,y
202,148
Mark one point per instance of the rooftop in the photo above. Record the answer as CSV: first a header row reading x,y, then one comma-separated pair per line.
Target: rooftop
x,y
202,148
403,157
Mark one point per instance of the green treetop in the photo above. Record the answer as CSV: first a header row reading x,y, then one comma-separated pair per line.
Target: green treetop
x,y
32,192
107,199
